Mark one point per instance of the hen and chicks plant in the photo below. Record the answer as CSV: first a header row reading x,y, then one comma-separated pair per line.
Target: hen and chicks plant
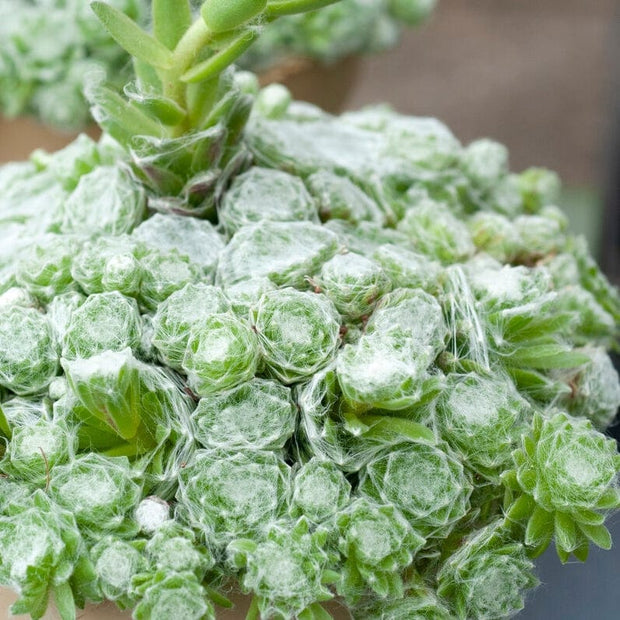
x,y
242,340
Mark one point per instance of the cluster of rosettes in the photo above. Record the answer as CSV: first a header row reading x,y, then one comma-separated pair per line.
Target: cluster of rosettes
x,y
374,368
47,49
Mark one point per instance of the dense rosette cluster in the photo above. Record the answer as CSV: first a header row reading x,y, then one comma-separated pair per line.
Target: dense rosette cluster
x,y
334,374
562,484
47,48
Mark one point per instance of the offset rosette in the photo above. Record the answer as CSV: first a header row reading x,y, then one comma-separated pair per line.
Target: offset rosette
x,y
482,418
564,480
259,415
320,490
231,495
298,332
486,576
164,273
108,264
35,449
388,367
175,549
354,283
28,356
286,570
376,542
436,232
104,322
426,482
273,250
179,313
100,492
45,268
106,200
419,603
264,194
116,563
42,550
173,595
222,351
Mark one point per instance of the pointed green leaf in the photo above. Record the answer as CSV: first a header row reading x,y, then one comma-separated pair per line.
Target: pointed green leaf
x,y
131,37
253,611
278,8
563,555
329,577
538,550
118,117
581,553
389,426
565,532
5,429
546,356
147,77
536,384
519,328
160,108
320,613
588,517
509,480
529,445
218,598
598,534
171,19
609,500
539,527
380,584
65,604
353,424
222,59
528,480
306,614
521,509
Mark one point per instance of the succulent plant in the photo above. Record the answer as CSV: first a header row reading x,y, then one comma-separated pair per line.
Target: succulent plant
x,y
324,357
50,48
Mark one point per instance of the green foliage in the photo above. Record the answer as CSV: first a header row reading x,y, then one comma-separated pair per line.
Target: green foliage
x,y
486,577
563,482
28,357
376,541
259,414
317,355
48,48
427,483
285,570
297,332
99,491
41,551
222,352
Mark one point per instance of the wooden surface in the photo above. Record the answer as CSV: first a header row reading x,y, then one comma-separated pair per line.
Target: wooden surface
x,y
21,136
108,611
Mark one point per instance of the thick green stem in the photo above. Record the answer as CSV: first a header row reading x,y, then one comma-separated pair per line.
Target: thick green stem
x,y
279,8
184,55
